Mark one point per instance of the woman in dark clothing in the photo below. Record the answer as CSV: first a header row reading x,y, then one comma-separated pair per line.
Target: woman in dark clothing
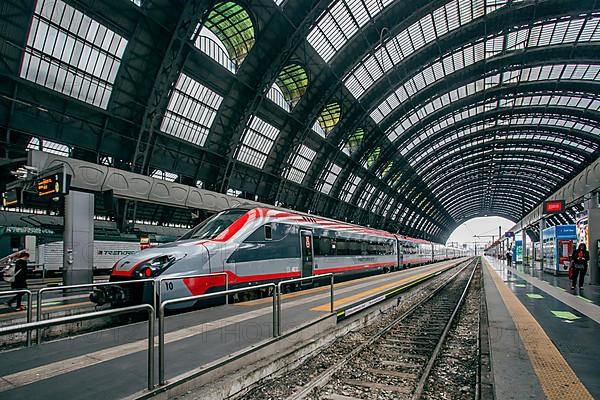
x,y
20,281
579,258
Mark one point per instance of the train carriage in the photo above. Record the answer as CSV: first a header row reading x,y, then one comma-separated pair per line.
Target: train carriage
x,y
261,245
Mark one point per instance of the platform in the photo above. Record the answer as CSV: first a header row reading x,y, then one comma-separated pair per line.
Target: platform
x,y
543,339
112,363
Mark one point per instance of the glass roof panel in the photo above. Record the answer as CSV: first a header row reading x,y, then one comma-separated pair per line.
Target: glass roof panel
x,y
349,187
372,157
421,33
480,50
365,195
164,175
71,53
472,88
275,94
300,162
257,142
340,22
49,147
329,177
191,111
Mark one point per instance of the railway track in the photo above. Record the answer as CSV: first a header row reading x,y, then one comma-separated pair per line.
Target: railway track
x,y
395,361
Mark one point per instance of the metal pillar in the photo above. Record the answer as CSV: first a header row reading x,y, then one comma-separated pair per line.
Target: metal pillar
x,y
593,208
524,246
542,227
78,243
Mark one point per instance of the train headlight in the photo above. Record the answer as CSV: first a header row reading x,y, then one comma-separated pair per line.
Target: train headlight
x,y
156,265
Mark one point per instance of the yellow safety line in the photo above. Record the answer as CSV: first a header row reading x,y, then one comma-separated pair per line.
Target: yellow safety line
x,y
556,377
366,293
313,290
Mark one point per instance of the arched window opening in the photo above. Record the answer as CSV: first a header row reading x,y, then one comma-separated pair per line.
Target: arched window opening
x,y
292,81
354,141
373,157
227,35
330,116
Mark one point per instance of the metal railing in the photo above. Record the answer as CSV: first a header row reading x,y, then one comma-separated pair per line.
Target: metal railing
x,y
93,315
175,278
41,292
313,277
29,306
164,304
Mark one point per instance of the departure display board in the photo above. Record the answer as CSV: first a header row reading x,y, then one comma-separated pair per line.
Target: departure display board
x,y
49,186
11,198
554,206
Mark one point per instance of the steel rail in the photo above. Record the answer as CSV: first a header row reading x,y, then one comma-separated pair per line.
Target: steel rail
x,y
423,381
326,375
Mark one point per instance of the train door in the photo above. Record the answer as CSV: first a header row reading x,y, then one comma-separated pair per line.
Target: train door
x,y
400,250
307,253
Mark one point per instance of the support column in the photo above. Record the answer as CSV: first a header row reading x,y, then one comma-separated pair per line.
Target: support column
x,y
593,237
78,242
542,227
524,246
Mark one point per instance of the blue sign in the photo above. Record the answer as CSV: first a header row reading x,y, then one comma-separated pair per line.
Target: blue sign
x,y
509,234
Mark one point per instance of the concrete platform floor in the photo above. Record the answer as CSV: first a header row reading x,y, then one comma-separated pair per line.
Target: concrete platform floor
x,y
112,363
543,339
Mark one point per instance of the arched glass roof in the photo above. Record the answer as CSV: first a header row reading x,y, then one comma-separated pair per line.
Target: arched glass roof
x,y
402,115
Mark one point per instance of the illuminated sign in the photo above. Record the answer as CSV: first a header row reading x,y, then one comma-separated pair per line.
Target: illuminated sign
x,y
509,234
49,186
554,206
11,198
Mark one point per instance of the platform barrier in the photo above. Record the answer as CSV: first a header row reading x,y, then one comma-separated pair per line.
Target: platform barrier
x,y
40,295
314,277
28,327
29,306
164,304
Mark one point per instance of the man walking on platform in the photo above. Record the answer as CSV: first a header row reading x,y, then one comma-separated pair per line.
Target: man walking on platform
x,y
20,280
579,258
509,258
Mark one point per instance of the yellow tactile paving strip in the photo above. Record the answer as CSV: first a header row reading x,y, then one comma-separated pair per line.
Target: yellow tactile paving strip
x,y
556,377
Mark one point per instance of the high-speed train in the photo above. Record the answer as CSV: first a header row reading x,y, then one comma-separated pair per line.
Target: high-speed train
x,y
260,245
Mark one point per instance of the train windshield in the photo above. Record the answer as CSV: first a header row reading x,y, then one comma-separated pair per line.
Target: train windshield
x,y
213,226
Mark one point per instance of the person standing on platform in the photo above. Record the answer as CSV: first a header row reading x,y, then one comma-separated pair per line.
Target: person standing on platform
x,y
579,260
509,258
20,281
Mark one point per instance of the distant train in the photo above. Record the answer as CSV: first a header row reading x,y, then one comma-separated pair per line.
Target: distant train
x,y
260,245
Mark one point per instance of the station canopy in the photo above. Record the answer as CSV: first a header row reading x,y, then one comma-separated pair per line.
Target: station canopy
x,y
410,116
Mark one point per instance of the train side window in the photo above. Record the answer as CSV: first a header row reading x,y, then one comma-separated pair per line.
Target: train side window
x,y
268,232
323,247
342,247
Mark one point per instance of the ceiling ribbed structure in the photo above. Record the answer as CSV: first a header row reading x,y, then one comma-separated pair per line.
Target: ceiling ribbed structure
x,y
402,115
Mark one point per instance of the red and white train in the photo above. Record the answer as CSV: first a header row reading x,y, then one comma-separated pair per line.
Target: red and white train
x,y
260,245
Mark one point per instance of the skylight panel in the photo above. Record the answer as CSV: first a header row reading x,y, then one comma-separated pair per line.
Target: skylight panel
x,y
339,23
330,176
317,129
137,2
49,147
366,195
275,94
71,53
423,32
257,142
300,163
191,111
350,187
164,175
212,46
